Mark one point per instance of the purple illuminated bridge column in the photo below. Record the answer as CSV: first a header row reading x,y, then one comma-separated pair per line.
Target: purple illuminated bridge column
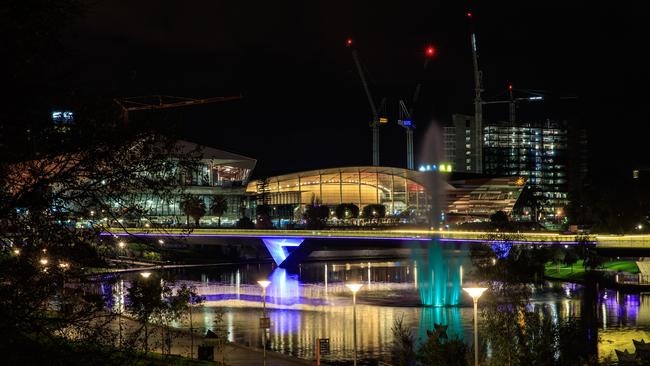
x,y
280,248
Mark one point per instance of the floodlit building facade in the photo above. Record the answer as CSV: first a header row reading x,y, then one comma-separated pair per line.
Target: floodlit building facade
x,y
402,192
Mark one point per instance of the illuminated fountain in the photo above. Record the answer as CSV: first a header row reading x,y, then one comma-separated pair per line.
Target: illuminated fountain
x,y
438,275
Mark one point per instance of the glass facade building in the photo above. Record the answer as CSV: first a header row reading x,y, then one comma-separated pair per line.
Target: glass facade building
x,y
395,188
551,155
219,173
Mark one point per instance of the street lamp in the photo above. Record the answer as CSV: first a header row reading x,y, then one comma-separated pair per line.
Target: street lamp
x,y
145,274
475,293
354,287
264,284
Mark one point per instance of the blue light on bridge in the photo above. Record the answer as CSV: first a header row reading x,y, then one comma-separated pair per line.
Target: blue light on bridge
x,y
501,249
277,247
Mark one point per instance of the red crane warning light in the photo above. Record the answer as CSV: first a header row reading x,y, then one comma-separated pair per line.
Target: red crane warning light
x,y
430,51
348,42
469,14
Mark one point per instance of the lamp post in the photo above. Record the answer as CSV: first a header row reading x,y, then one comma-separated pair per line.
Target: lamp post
x,y
475,293
264,284
354,287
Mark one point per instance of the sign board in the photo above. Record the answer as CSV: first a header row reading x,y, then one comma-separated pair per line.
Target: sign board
x,y
265,323
324,346
383,120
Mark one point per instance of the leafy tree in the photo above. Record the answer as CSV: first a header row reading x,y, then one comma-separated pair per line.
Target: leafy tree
x,y
345,211
374,211
193,206
186,298
146,299
403,343
316,214
219,206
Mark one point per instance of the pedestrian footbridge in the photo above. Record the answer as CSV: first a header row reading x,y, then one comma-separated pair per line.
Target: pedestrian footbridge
x,y
287,246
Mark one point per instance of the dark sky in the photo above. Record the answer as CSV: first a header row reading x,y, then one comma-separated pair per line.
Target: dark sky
x,y
303,106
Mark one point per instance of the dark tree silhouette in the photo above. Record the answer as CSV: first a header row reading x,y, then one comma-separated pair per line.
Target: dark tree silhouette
x,y
193,206
219,206
346,211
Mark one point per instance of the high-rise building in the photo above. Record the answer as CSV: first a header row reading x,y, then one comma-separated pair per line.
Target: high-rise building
x,y
551,155
460,140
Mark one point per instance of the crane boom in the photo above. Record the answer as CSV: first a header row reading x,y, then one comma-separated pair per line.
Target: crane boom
x,y
153,102
374,124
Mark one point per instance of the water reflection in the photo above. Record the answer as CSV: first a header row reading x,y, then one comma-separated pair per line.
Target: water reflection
x,y
315,304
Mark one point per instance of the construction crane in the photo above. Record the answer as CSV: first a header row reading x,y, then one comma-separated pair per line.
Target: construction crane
x,y
406,114
478,103
531,96
375,109
153,102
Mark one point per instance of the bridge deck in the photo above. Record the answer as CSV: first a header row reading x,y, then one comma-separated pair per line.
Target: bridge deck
x,y
605,241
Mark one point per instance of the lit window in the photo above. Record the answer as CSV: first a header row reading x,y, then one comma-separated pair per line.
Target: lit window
x,y
635,174
468,146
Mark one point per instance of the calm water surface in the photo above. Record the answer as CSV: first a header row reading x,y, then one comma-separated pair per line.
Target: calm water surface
x,y
314,303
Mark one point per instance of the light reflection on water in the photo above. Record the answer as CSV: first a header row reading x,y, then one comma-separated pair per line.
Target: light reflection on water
x,y
314,303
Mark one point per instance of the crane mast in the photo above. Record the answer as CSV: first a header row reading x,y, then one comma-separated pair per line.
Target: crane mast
x,y
406,114
374,124
478,103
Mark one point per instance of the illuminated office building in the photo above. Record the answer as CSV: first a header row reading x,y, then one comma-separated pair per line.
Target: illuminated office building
x,y
550,154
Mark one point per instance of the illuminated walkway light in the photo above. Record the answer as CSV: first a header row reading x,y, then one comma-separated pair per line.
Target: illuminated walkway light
x,y
475,293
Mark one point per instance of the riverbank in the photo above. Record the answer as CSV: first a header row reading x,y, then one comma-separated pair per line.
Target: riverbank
x,y
576,272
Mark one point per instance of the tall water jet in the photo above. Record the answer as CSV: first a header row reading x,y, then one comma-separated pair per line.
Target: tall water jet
x,y
438,275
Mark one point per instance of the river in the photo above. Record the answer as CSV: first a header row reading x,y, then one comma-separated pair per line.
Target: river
x,y
314,303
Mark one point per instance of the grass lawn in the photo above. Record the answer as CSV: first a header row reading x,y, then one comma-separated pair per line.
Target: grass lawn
x,y
577,273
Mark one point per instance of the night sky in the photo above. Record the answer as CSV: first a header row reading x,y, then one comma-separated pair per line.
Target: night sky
x,y
303,106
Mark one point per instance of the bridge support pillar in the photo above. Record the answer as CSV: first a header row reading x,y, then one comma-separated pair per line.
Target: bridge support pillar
x,y
281,248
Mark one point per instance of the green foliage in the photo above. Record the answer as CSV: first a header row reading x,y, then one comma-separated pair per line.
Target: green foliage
x,y
374,211
345,211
